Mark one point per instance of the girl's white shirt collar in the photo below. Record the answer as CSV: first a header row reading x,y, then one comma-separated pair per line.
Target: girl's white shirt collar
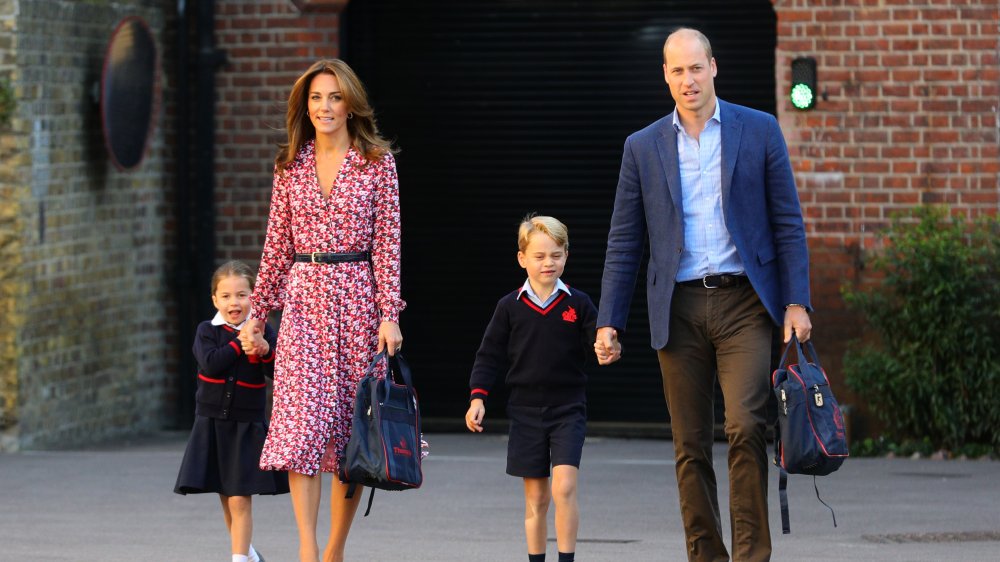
x,y
218,321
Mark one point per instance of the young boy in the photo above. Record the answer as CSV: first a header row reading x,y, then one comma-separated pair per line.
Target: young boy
x,y
540,335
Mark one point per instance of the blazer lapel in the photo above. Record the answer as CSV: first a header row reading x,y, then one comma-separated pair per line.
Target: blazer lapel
x,y
666,147
732,130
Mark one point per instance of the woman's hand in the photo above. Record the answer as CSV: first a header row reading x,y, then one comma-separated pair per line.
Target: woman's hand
x,y
251,338
389,337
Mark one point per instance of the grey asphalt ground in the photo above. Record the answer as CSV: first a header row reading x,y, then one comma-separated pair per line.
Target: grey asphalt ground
x,y
115,503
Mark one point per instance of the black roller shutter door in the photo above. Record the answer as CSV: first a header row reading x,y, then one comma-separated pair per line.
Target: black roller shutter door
x,y
502,108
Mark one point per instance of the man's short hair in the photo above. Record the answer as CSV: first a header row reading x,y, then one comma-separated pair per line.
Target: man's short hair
x,y
685,30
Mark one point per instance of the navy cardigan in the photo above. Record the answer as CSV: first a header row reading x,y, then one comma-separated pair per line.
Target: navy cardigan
x,y
231,385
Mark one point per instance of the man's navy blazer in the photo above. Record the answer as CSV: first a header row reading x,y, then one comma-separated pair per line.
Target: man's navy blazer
x,y
759,202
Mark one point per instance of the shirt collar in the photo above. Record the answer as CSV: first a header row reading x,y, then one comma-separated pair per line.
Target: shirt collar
x,y
219,321
717,116
560,286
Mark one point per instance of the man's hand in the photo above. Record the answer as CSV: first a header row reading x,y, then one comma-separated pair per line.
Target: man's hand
x,y
797,319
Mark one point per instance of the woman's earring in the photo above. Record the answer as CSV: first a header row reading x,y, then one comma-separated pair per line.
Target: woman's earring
x,y
350,115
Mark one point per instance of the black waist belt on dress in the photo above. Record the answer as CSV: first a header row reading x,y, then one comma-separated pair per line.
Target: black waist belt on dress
x,y
721,281
329,257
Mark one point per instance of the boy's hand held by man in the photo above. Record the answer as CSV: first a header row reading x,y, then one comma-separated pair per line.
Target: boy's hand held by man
x,y
607,347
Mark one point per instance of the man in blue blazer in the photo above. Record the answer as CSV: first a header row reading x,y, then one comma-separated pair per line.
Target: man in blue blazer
x,y
711,189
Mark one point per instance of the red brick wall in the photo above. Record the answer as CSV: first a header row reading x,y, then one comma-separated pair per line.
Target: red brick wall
x,y
908,116
268,45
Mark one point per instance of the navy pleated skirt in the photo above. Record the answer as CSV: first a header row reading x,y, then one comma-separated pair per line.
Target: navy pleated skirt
x,y
223,457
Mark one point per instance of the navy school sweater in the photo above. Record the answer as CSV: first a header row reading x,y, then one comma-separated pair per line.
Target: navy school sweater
x,y
231,385
541,351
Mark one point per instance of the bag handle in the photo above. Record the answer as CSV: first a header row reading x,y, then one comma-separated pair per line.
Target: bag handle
x,y
401,366
811,357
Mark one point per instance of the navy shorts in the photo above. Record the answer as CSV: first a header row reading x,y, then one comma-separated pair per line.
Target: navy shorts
x,y
544,436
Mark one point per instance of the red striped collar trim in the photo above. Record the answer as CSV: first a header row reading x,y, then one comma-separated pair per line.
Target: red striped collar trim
x,y
543,311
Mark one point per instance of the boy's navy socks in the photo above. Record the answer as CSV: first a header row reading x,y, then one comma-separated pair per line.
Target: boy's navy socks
x,y
567,556
536,557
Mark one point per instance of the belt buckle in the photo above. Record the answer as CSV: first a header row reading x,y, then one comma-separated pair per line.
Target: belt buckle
x,y
312,257
704,282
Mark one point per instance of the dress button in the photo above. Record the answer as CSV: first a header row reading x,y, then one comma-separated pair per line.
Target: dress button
x,y
230,378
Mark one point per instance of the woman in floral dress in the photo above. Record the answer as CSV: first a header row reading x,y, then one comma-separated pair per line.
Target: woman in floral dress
x,y
334,204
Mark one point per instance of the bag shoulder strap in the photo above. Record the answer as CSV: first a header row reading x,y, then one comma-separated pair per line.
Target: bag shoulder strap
x,y
352,487
786,527
371,497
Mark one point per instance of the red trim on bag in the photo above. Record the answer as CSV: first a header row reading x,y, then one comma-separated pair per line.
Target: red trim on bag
x,y
385,451
812,425
213,381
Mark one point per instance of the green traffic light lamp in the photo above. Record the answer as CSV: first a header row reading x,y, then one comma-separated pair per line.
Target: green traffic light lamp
x,y
803,93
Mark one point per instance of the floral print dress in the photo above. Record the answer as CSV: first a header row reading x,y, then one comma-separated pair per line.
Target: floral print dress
x,y
331,312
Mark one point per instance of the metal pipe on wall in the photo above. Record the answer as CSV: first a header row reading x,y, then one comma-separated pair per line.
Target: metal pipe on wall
x,y
209,58
183,281
195,205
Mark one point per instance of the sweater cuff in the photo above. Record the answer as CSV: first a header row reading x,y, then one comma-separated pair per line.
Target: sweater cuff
x,y
269,357
479,393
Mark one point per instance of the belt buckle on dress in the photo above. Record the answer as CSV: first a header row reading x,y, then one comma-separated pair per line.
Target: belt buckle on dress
x,y
312,257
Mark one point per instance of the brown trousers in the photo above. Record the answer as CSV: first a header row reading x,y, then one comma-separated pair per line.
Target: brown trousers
x,y
725,331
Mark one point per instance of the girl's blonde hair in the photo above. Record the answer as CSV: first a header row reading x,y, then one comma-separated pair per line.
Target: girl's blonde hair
x,y
361,126
233,268
548,225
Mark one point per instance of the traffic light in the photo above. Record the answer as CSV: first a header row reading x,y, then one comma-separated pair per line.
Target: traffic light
x,y
803,94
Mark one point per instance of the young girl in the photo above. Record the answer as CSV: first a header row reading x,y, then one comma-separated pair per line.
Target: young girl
x,y
223,451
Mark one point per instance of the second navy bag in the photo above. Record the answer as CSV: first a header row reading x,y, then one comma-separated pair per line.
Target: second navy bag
x,y
810,435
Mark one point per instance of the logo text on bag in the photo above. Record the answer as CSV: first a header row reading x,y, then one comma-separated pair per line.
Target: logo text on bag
x,y
402,449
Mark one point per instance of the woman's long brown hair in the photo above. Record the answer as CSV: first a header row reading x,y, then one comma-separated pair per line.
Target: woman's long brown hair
x,y
361,126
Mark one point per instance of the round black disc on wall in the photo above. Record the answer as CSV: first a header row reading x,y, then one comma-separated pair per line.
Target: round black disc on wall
x,y
129,92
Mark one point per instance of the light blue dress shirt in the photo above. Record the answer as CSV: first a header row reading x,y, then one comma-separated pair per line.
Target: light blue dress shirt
x,y
708,247
526,288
